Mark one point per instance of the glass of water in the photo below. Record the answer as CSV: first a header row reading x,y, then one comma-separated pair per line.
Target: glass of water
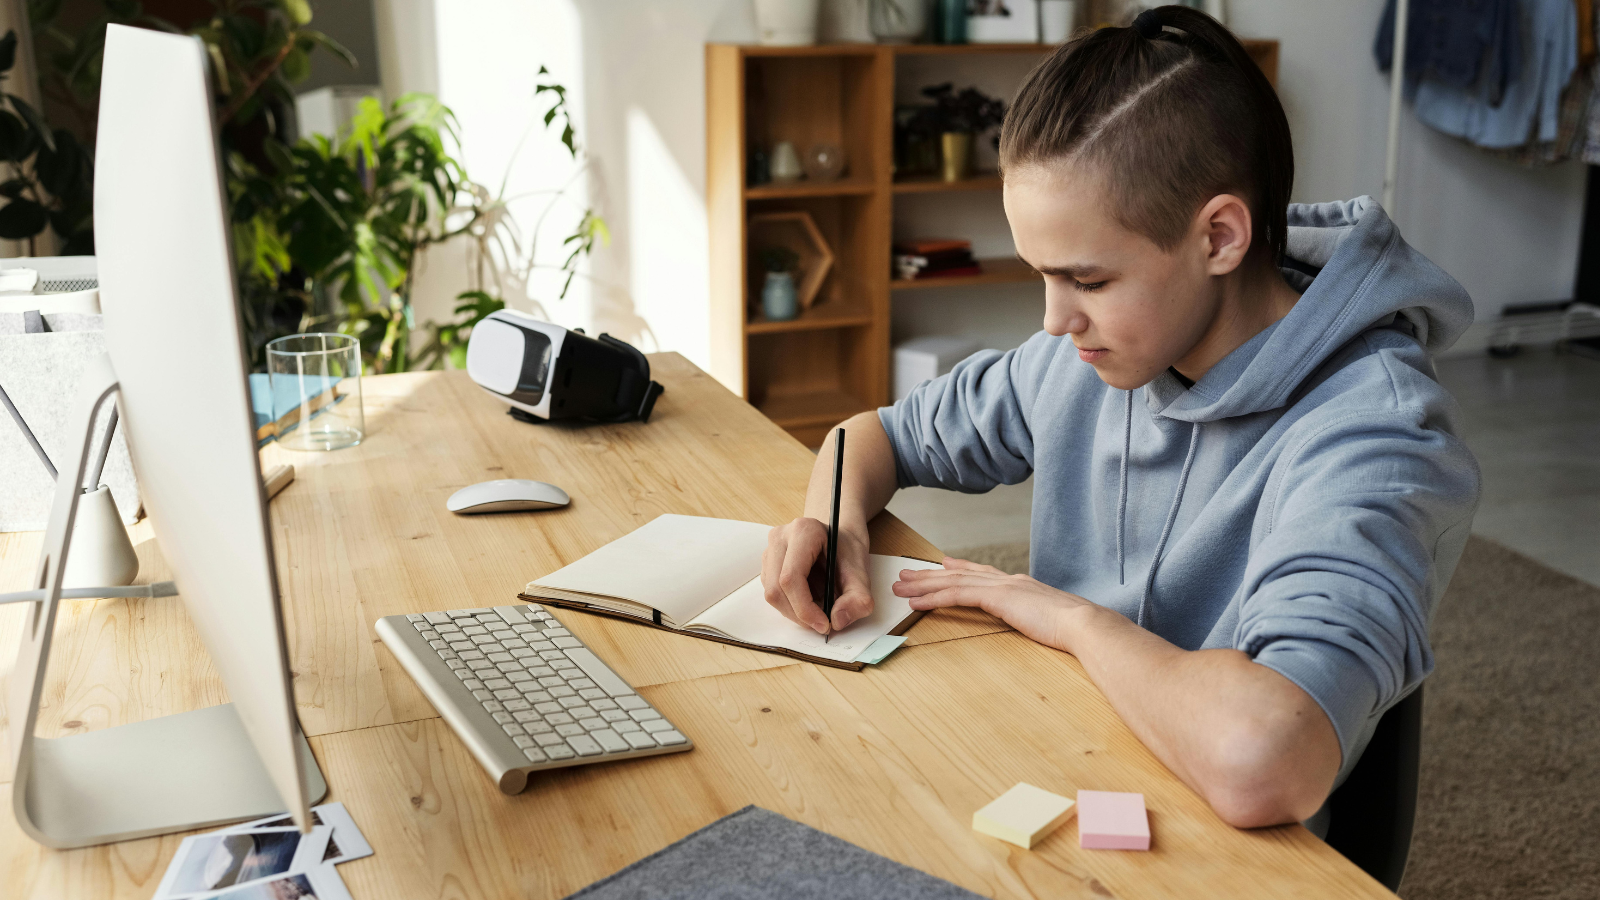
x,y
316,391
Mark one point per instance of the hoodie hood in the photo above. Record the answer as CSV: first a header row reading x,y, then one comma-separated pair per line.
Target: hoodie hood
x,y
1356,274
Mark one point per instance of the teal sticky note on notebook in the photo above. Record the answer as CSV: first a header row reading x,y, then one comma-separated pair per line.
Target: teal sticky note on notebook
x,y
879,650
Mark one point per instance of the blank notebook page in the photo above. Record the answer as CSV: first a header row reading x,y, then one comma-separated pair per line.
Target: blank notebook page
x,y
676,564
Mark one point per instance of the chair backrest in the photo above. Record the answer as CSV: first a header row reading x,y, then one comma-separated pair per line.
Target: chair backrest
x,y
1372,813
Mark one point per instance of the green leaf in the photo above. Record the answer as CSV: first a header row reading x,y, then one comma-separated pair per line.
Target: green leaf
x,y
35,121
13,136
8,51
296,66
22,219
332,46
299,11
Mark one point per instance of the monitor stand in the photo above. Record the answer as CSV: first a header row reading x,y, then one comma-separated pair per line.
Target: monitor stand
x,y
174,773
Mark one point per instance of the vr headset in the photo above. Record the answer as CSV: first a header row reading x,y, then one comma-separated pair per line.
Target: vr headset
x,y
546,372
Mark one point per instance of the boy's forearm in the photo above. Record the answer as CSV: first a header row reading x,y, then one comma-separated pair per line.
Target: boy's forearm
x,y
869,474
1256,746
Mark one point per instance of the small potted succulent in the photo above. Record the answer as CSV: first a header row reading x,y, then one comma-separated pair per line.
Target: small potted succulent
x,y
956,117
778,300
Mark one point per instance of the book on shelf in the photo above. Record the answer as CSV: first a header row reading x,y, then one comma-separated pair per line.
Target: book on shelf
x,y
701,577
935,258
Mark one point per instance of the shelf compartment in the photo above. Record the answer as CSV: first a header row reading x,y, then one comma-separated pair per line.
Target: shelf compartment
x,y
967,49
812,408
922,184
825,315
843,187
996,270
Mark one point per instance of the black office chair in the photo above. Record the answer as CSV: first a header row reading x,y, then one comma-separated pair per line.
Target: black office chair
x,y
1371,814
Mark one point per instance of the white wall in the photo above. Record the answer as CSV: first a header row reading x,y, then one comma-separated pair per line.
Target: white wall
x,y
1509,234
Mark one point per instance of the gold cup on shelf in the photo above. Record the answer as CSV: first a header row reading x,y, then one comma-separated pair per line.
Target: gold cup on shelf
x,y
956,154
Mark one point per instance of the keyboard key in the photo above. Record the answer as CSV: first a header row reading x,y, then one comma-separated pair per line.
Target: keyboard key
x,y
584,745
496,684
539,671
512,729
417,617
655,726
509,667
534,754
448,654
638,740
538,726
559,751
481,639
470,654
556,632
610,740
670,737
448,628
524,654
436,618
542,646
547,708
493,706
500,657
579,684
595,724
567,643
562,666
522,740
504,718
643,715
592,694
626,727
474,684
552,681
517,677
461,646
632,703
524,629
559,718
481,696
614,715
512,644
457,665
517,705
511,615
569,730
572,702
464,674
532,695
584,712
437,645
509,694
598,671
524,717
550,655
549,739
603,704
473,628
563,691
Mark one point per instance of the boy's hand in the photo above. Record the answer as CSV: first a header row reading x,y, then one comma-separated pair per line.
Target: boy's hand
x,y
1031,607
792,570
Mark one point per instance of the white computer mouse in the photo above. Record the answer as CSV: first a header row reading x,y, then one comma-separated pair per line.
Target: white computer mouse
x,y
506,495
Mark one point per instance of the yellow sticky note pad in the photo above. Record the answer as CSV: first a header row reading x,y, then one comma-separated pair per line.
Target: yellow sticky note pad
x,y
1023,815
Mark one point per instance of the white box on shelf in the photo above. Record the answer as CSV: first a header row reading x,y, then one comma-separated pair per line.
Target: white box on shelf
x,y
920,359
1003,22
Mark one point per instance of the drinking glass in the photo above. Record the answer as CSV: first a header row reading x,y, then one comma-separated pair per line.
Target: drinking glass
x,y
316,391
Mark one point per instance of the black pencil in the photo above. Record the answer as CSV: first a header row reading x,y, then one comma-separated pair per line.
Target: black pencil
x,y
830,566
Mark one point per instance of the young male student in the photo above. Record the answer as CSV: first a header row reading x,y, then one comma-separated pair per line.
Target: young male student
x,y
1248,493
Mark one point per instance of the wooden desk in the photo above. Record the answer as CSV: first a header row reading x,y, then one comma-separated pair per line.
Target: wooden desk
x,y
895,758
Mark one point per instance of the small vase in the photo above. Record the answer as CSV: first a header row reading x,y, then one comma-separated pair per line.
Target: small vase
x,y
784,167
778,300
951,25
899,21
957,154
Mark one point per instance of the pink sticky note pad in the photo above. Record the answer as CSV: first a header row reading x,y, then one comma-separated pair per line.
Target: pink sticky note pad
x,y
1108,820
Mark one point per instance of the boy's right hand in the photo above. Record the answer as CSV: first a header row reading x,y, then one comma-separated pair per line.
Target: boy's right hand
x,y
792,571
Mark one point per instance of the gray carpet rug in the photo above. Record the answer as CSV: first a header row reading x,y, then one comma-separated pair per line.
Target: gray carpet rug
x,y
1509,800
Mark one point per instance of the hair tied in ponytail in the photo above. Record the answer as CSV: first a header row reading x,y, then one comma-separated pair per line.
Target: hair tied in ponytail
x,y
1148,24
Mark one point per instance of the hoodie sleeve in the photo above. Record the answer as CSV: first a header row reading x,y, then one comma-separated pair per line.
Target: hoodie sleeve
x,y
968,430
1370,515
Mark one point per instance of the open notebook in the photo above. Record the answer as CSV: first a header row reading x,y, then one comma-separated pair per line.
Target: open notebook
x,y
702,577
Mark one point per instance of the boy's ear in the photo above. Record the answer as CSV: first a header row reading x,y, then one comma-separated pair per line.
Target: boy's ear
x,y
1225,223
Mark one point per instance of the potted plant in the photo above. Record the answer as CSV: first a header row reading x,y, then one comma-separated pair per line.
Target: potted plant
x,y
778,300
957,118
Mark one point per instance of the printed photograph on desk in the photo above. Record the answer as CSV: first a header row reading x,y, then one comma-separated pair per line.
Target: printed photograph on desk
x,y
224,859
344,844
321,883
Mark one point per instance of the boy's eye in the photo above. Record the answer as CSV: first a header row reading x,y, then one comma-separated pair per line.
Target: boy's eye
x,y
1091,286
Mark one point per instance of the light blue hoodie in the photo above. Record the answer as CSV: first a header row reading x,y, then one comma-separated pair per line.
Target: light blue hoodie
x,y
1305,502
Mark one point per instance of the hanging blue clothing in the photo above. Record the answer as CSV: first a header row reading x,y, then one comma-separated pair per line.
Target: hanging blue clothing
x,y
1455,41
1531,108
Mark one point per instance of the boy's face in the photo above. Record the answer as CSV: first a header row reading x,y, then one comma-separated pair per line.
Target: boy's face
x,y
1131,308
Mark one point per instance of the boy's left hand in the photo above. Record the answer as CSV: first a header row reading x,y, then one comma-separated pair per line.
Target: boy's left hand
x,y
1031,607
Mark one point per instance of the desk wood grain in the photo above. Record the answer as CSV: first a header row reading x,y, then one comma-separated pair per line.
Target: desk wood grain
x,y
895,758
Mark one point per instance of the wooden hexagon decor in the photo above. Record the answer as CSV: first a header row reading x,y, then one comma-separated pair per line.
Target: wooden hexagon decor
x,y
796,231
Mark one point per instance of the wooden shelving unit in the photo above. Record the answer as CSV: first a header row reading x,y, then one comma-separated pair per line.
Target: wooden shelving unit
x,y
833,361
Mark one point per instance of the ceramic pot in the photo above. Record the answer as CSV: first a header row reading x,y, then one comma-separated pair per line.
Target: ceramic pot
x,y
899,21
778,300
784,167
956,154
786,23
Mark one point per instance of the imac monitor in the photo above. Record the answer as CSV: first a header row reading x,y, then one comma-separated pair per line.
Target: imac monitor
x,y
178,363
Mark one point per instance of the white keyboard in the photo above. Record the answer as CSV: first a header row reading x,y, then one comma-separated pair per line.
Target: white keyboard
x,y
522,693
